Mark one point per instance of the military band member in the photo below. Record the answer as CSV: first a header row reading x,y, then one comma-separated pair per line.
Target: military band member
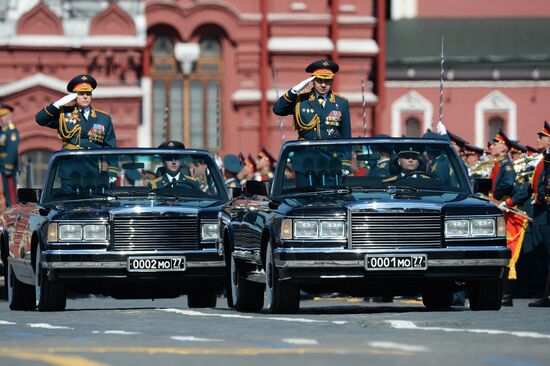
x,y
9,143
535,199
266,164
318,113
502,174
79,126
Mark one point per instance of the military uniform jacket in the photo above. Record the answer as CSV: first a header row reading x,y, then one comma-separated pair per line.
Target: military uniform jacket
x,y
75,131
9,142
311,119
503,176
381,169
163,181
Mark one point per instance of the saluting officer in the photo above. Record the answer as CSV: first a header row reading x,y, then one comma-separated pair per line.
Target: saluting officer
x,y
503,174
9,143
79,126
318,113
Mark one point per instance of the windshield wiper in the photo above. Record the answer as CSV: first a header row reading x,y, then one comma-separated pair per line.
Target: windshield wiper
x,y
163,194
307,191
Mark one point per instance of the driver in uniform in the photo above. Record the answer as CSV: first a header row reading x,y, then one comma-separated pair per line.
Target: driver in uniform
x,y
409,163
173,173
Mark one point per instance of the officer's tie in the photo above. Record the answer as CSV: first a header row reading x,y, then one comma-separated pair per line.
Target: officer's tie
x,y
321,100
83,114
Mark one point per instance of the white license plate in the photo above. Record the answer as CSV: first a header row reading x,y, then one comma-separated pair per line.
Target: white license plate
x,y
387,262
156,264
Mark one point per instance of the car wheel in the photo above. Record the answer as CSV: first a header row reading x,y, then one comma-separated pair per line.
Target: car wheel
x,y
282,297
202,299
228,292
485,295
246,295
20,295
438,297
50,295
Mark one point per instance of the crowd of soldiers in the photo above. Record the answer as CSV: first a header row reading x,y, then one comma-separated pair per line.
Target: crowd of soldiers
x,y
520,174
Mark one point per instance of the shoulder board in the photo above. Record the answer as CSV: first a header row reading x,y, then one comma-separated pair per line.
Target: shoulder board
x,y
340,96
100,111
307,91
390,179
190,177
11,126
508,168
156,180
383,165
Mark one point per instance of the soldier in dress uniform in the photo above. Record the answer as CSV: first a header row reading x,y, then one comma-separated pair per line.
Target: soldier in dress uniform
x,y
173,173
266,164
409,163
535,199
9,143
502,174
381,168
318,113
232,165
79,126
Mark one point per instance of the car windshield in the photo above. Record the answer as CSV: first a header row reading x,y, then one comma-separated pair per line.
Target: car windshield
x,y
183,175
413,165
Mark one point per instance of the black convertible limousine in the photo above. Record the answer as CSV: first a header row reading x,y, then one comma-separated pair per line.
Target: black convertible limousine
x,y
404,221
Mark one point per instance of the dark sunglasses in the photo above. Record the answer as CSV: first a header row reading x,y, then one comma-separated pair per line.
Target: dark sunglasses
x,y
408,156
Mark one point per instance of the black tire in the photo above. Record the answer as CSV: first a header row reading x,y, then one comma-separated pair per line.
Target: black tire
x,y
485,295
50,295
438,297
246,295
20,295
227,255
202,299
282,297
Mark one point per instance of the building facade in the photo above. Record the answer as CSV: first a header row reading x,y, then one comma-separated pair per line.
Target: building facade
x,y
200,71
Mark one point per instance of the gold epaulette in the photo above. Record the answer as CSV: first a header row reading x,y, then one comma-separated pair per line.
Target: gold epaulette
x,y
154,182
190,177
11,126
340,96
307,91
101,111
390,179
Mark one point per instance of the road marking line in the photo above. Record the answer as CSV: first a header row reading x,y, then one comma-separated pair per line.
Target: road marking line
x,y
120,332
239,316
405,324
399,346
5,322
46,326
48,358
301,341
200,351
195,339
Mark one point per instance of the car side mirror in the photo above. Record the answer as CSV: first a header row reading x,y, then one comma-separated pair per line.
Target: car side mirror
x,y
28,195
482,185
255,188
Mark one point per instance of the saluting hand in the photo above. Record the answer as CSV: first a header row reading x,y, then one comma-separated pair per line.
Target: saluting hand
x,y
302,84
65,100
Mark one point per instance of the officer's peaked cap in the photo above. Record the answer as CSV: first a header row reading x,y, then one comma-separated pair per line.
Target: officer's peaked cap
x,y
323,69
173,144
5,109
232,163
81,83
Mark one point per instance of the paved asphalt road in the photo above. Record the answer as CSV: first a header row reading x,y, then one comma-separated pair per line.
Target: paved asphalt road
x,y
96,331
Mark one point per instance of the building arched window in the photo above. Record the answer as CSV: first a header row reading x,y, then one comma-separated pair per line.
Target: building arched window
x,y
186,103
495,124
412,127
33,165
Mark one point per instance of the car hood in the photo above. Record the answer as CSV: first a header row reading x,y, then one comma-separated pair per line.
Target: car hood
x,y
103,209
450,203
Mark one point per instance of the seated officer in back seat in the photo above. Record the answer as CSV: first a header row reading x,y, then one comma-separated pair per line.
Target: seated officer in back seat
x,y
173,172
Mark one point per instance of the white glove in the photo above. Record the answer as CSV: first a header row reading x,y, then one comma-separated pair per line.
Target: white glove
x,y
65,100
441,128
301,85
548,150
502,205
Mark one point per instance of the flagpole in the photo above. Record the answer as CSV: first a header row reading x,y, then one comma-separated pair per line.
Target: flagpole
x,y
442,56
363,101
276,84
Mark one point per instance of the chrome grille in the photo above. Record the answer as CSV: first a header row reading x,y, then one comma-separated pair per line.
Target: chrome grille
x,y
371,230
154,232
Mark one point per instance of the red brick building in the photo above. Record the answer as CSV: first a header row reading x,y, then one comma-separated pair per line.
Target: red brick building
x,y
207,72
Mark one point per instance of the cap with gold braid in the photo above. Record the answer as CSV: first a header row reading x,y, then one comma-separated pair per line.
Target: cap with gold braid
x,y
323,69
545,130
5,109
81,83
501,138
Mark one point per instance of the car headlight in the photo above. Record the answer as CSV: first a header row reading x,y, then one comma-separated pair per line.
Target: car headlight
x,y
95,232
501,227
467,228
333,229
482,227
70,232
52,232
210,231
306,229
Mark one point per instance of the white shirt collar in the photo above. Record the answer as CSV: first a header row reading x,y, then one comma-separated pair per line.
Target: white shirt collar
x,y
170,178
